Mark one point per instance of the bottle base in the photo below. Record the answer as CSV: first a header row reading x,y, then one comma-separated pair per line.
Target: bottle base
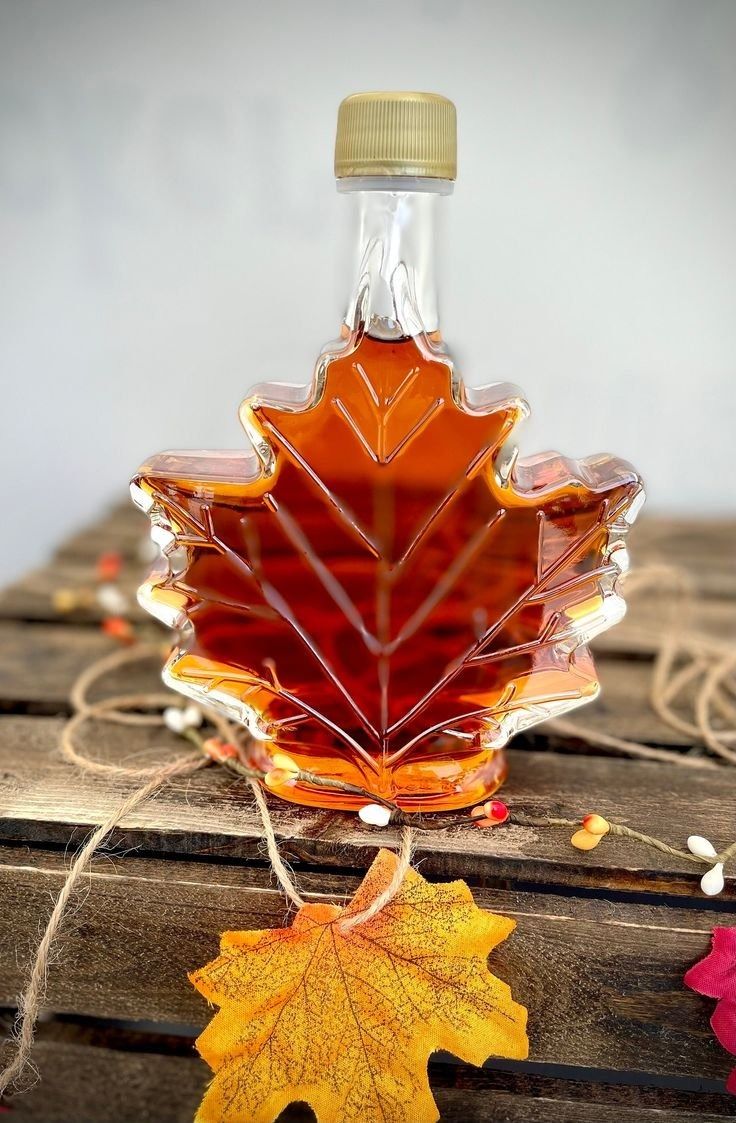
x,y
478,785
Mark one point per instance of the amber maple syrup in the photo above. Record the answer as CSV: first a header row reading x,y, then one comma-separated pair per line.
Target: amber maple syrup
x,y
378,587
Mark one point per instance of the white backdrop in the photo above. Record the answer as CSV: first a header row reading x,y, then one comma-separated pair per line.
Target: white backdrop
x,y
169,225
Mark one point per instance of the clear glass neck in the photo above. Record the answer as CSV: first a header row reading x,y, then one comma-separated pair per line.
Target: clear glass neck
x,y
394,232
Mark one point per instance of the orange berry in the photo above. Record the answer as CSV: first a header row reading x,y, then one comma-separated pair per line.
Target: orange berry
x,y
596,824
219,750
109,565
278,778
284,763
584,840
118,628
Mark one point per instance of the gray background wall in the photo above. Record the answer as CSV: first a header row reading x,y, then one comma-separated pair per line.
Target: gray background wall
x,y
169,227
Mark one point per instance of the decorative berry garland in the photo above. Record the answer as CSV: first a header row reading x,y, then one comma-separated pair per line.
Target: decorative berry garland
x,y
589,831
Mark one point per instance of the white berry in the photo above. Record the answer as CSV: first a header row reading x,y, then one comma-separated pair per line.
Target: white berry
x,y
375,815
112,600
192,716
712,882
701,847
174,719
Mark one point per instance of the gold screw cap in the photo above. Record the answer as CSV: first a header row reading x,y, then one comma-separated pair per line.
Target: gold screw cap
x,y
390,133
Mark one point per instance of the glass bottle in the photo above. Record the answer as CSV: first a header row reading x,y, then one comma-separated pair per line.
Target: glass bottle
x,y
377,586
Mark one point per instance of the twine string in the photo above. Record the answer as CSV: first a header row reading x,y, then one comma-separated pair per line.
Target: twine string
x,y
115,661
34,994
716,675
277,862
121,709
388,894
683,656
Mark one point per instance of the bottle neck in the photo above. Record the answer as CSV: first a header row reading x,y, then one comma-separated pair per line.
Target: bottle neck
x,y
394,235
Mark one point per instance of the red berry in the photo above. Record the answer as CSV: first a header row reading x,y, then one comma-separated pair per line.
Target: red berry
x,y
490,814
497,810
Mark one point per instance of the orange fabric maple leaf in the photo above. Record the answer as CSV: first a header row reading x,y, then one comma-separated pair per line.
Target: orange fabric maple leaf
x,y
346,1020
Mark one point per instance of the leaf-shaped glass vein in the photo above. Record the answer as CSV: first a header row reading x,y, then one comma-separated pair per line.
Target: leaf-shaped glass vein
x,y
392,589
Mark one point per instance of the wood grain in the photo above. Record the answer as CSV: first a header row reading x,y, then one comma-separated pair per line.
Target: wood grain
x,y
603,938
602,979
39,664
32,597
98,1075
213,815
704,546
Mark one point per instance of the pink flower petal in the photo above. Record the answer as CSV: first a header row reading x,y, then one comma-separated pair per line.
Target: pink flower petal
x,y
716,974
723,1023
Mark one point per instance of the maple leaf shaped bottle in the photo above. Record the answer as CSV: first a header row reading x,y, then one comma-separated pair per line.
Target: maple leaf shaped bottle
x,y
377,585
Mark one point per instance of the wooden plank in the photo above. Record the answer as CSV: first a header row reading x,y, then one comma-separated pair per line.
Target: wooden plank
x,y
45,801
93,1075
692,541
606,974
623,708
654,534
648,618
706,547
39,663
33,597
123,528
602,979
91,1084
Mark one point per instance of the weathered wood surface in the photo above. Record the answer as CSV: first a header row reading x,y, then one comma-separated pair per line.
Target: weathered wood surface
x,y
39,663
32,597
602,978
113,1075
602,942
705,550
44,801
705,547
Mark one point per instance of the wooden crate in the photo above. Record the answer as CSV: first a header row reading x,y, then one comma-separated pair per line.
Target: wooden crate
x,y
598,956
